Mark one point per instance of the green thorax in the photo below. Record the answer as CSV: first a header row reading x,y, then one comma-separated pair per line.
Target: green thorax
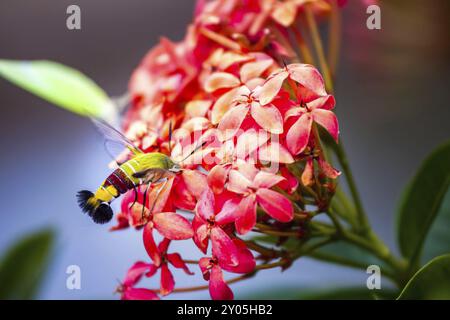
x,y
146,161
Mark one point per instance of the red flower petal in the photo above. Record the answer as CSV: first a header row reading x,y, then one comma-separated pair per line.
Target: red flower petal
x,y
326,102
205,205
135,273
173,226
152,271
298,135
275,204
266,180
307,76
197,108
218,288
163,245
200,234
222,104
254,69
275,152
122,222
181,196
291,182
328,120
205,266
139,294
246,263
247,169
237,182
285,12
136,218
217,177
247,214
176,260
328,170
159,195
195,182
222,246
268,117
228,213
271,88
232,120
308,173
249,141
221,80
167,282
150,245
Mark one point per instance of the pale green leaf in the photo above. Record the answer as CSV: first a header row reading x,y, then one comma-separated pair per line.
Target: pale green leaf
x,y
59,84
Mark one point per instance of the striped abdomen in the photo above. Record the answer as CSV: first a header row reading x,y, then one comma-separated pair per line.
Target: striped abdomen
x,y
122,178
120,181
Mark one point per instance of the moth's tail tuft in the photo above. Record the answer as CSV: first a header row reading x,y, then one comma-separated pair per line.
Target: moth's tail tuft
x,y
87,201
99,211
103,214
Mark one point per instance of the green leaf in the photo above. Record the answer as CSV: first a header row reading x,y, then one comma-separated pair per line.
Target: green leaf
x,y
421,202
23,266
432,281
438,239
59,84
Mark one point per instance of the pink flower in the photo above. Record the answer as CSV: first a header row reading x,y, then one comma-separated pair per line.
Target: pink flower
x,y
304,75
218,288
166,72
134,274
172,226
285,12
264,114
249,76
255,186
161,260
291,182
209,222
250,146
212,270
317,110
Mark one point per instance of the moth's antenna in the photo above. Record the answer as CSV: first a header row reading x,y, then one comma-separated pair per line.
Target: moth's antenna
x,y
195,150
170,136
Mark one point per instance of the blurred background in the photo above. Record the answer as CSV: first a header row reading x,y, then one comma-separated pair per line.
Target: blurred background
x,y
392,102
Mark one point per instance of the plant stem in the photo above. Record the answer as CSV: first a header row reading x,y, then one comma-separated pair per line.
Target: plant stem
x,y
335,220
280,263
363,224
301,44
317,41
374,245
334,34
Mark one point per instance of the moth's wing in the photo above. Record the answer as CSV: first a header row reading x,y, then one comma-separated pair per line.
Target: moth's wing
x,y
151,175
114,139
117,152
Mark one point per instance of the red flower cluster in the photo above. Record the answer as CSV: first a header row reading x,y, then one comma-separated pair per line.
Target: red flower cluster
x,y
225,88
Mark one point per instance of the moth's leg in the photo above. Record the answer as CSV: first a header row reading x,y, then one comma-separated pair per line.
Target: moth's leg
x,y
135,196
145,200
158,193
